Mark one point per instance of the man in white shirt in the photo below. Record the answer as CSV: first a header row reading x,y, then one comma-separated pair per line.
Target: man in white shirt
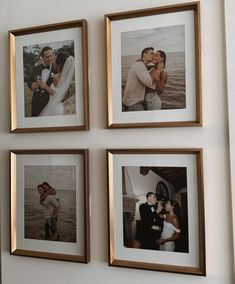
x,y
138,79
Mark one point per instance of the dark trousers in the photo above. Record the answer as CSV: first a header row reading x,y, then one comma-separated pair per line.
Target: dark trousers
x,y
148,238
50,227
39,101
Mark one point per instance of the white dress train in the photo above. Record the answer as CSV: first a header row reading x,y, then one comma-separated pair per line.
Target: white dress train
x,y
55,106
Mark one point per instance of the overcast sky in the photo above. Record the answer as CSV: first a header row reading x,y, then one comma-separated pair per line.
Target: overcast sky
x,y
59,177
168,39
53,45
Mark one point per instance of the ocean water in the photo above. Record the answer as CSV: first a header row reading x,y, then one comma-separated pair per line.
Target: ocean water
x,y
174,96
34,216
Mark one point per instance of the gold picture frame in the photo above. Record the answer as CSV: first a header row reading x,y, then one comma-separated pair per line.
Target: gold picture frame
x,y
137,232
49,204
40,101
135,98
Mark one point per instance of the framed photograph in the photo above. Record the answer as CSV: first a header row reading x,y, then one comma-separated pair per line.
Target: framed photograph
x,y
156,210
49,77
50,204
153,67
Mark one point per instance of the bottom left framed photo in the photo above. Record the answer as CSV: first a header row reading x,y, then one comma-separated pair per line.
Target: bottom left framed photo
x,y
49,204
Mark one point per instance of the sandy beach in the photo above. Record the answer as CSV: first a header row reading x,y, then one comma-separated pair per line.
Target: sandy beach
x,y
34,216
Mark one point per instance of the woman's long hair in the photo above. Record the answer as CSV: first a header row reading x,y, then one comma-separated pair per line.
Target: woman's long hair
x,y
163,56
46,183
61,59
176,208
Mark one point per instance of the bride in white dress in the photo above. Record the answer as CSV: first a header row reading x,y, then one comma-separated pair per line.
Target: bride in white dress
x,y
171,229
61,81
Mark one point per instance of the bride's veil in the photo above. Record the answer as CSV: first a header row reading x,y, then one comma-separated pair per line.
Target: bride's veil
x,y
61,88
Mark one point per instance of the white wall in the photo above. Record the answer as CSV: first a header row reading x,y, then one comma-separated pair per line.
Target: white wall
x,y
212,137
230,39
142,184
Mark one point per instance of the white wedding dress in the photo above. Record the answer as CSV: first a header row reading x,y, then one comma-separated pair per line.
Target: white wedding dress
x,y
167,232
55,106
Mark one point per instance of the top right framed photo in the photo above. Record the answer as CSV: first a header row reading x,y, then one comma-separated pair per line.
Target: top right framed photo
x,y
154,67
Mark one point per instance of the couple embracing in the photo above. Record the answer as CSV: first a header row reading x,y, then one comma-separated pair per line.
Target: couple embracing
x,y
51,207
49,82
144,86
159,223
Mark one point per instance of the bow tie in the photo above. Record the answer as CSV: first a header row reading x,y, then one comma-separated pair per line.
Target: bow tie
x,y
46,66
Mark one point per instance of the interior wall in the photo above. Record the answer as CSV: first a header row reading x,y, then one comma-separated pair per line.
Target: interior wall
x,y
230,46
212,137
142,184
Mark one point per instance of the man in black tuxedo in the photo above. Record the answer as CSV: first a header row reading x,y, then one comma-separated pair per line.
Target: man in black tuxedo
x,y
151,223
41,80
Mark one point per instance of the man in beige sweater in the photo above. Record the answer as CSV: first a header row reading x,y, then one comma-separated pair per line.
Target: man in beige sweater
x,y
138,79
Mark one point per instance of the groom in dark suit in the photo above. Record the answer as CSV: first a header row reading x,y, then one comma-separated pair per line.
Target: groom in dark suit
x,y
151,223
41,80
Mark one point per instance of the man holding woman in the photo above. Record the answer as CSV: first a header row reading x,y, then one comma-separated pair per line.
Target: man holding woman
x,y
139,79
50,202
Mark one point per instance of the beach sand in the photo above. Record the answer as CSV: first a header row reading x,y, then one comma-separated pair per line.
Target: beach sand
x,y
34,216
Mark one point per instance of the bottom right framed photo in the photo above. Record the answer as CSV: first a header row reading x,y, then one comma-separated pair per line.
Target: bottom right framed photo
x,y
156,210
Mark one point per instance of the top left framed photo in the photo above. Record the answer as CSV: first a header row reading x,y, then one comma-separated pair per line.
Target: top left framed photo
x,y
49,77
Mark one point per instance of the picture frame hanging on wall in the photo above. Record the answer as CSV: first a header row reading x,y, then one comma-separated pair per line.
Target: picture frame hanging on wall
x,y
154,67
49,77
156,210
49,204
